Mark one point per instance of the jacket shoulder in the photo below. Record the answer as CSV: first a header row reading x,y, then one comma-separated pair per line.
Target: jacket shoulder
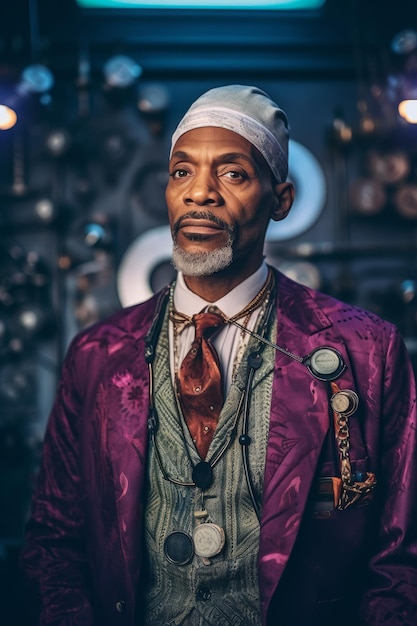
x,y
130,322
331,311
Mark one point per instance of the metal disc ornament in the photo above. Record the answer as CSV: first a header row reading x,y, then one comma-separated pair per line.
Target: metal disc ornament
x,y
179,548
325,363
345,402
208,540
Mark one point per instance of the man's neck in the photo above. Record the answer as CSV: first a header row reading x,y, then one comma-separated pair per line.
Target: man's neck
x,y
214,287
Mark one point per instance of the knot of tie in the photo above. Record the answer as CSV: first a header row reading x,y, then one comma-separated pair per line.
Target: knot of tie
x,y
200,389
206,324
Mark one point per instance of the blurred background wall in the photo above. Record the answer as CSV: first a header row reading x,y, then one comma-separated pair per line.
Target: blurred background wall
x,y
88,100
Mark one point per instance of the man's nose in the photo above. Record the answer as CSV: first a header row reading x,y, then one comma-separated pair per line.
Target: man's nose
x,y
203,189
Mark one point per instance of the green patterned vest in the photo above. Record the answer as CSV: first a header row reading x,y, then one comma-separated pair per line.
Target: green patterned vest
x,y
221,590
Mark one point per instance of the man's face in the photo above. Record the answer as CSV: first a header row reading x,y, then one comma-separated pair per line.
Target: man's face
x,y
220,197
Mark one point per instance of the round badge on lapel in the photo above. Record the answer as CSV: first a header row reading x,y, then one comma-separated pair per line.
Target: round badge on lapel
x,y
325,363
344,402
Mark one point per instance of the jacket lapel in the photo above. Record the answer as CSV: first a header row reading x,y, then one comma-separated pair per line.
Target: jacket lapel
x,y
299,422
126,403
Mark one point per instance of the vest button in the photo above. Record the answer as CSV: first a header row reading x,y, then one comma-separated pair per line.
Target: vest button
x,y
203,594
121,606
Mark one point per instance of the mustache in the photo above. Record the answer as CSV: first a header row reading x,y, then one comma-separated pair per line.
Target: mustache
x,y
203,215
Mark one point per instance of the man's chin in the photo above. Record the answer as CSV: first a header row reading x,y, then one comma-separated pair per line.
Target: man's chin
x,y
203,263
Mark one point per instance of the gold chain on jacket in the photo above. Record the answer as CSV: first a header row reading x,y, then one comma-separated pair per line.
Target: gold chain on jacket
x,y
352,491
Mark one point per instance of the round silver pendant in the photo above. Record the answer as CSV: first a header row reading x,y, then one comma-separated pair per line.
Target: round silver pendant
x,y
208,539
325,363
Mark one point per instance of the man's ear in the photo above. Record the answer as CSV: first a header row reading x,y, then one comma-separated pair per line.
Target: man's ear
x,y
284,196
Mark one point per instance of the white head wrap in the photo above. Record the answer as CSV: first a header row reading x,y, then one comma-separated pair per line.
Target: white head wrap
x,y
247,111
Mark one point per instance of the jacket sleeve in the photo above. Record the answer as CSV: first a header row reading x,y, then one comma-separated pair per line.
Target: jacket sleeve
x,y
54,555
391,598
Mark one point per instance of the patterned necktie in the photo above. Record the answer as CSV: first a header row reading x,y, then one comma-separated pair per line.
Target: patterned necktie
x,y
199,381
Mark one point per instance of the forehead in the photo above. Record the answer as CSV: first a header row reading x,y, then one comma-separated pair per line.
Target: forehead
x,y
216,139
215,143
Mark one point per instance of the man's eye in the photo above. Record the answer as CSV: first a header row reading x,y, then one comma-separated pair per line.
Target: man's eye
x,y
179,173
234,174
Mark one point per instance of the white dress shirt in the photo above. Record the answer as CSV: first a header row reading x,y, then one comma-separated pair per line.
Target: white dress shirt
x,y
230,339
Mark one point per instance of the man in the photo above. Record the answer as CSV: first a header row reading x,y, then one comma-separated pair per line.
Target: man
x,y
269,481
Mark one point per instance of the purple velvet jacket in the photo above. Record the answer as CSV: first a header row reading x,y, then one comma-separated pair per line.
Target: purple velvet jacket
x,y
85,535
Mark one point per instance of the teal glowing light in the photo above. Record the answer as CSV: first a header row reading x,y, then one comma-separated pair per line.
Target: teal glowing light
x,y
274,5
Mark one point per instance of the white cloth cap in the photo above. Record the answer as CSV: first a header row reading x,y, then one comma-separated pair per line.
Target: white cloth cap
x,y
247,111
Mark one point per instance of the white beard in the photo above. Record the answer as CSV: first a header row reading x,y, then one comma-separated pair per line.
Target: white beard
x,y
202,263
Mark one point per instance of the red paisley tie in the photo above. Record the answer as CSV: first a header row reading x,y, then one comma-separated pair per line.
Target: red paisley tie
x,y
199,382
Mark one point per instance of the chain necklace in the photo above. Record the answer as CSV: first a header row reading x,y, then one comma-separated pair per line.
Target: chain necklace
x,y
181,320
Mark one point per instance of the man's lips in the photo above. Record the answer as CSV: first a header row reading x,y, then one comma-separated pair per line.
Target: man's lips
x,y
199,227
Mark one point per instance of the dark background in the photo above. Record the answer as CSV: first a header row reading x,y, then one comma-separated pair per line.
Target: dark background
x,y
82,179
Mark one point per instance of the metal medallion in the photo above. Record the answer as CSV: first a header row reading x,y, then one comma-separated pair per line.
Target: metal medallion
x,y
209,540
325,363
344,402
179,548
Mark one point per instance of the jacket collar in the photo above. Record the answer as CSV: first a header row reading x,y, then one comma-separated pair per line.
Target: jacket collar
x,y
298,308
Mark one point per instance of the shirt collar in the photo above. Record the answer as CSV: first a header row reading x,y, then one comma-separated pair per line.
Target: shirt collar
x,y
187,302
